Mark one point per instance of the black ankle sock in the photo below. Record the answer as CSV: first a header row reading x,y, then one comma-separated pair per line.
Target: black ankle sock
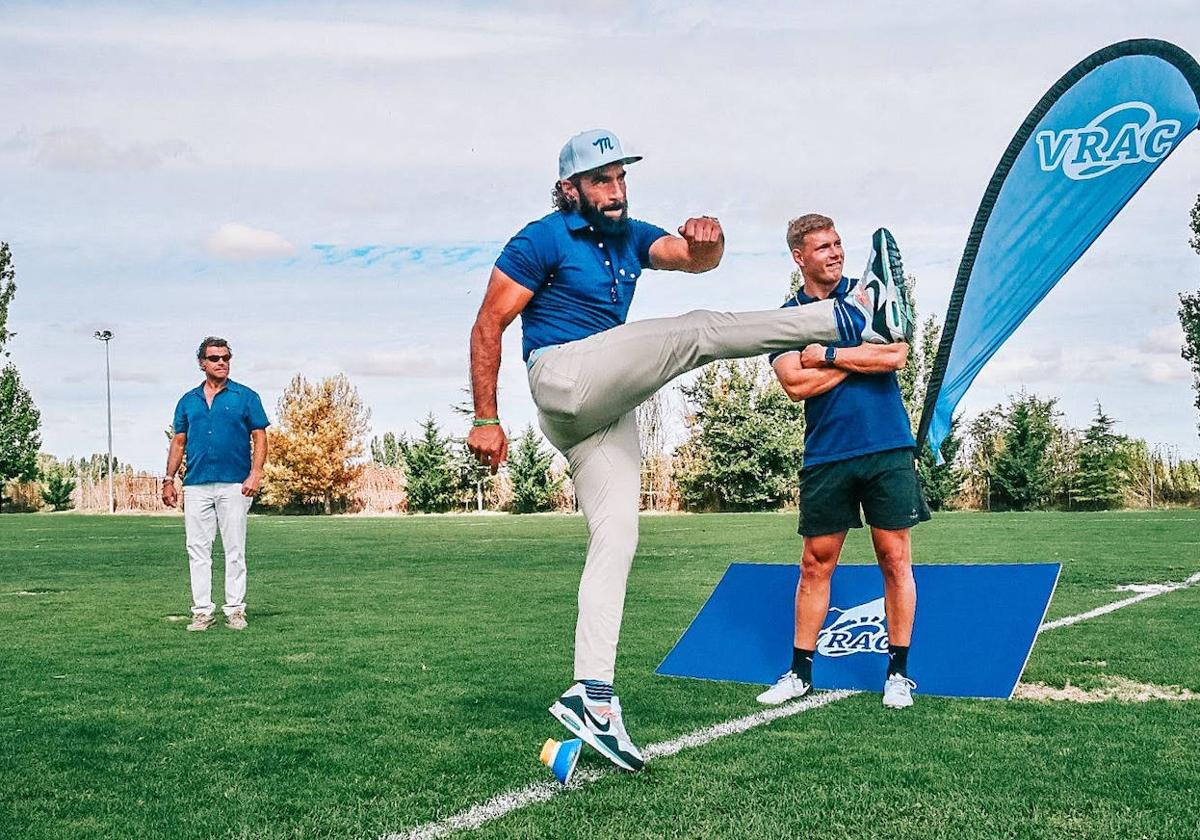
x,y
802,663
897,660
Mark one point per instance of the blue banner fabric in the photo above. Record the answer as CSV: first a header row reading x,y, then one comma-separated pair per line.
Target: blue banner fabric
x,y
974,629
1091,142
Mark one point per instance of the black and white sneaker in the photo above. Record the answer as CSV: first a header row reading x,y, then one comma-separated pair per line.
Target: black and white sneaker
x,y
881,295
788,687
599,724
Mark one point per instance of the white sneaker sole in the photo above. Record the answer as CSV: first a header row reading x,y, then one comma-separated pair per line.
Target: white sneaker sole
x,y
569,719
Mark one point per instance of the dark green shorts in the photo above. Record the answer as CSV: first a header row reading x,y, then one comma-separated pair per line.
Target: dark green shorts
x,y
884,484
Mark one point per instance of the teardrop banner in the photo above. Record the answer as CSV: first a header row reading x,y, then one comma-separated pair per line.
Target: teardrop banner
x,y
972,635
1091,142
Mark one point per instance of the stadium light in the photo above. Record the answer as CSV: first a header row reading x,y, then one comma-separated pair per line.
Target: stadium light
x,y
106,336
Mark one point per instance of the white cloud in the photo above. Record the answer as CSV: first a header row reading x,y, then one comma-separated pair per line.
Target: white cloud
x,y
1167,339
233,241
85,150
421,364
1161,371
440,36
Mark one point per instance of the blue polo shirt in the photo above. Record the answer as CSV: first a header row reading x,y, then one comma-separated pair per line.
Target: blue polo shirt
x,y
864,413
218,438
582,281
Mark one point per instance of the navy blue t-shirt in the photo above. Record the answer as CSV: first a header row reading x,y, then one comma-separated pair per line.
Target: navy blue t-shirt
x,y
582,281
864,413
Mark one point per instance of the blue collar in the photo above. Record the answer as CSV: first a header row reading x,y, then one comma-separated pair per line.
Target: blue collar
x,y
840,290
574,220
230,386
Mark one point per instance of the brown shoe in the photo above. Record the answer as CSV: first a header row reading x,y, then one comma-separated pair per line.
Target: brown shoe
x,y
236,620
200,621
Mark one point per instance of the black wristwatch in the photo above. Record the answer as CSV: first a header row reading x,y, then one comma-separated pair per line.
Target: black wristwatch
x,y
830,356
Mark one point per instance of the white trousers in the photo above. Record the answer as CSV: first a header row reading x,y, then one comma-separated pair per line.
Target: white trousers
x,y
207,507
586,392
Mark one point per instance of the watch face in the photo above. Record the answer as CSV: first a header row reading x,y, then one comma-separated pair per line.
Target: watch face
x,y
830,353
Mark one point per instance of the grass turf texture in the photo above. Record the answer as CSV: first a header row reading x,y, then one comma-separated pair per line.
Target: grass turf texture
x,y
397,671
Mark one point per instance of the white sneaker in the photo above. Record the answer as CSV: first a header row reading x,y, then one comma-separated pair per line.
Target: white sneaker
x,y
788,687
236,620
881,296
897,692
200,621
600,724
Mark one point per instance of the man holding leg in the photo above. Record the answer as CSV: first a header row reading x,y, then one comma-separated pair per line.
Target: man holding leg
x,y
571,277
846,390
223,428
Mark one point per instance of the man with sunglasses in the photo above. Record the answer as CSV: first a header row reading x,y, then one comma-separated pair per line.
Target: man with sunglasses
x,y
223,429
571,277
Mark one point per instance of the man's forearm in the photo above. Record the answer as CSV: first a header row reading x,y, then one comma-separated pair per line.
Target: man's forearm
x,y
705,258
485,368
174,458
259,439
801,383
872,358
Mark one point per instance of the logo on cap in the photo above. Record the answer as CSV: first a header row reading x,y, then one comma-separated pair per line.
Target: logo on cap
x,y
604,144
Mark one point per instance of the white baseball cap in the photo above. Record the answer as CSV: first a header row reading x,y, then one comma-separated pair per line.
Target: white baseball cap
x,y
591,150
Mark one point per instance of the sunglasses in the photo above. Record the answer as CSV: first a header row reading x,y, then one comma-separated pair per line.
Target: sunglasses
x,y
216,358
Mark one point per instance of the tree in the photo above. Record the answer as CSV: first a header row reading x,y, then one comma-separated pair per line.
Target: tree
x,y
385,451
312,451
656,462
1195,240
1100,465
8,288
942,482
1189,319
1021,473
59,485
475,480
534,484
19,435
432,477
746,439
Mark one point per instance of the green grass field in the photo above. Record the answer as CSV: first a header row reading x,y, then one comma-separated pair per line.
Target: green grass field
x,y
397,671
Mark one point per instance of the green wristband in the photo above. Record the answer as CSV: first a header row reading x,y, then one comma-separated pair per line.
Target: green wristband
x,y
486,421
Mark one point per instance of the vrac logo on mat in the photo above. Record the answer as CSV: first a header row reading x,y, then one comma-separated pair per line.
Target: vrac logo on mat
x,y
858,629
1127,133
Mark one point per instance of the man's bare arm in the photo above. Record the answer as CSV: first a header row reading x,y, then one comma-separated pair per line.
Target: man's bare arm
x,y
258,440
699,247
865,358
174,459
800,383
503,301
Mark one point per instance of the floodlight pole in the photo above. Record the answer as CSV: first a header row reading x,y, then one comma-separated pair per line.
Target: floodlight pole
x,y
106,336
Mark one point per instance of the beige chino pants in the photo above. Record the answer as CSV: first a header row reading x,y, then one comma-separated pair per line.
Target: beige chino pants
x,y
586,392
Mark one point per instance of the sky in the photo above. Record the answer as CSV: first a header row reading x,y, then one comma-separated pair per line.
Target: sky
x,y
327,186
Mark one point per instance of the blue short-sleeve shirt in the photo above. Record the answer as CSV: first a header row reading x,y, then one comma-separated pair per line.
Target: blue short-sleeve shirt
x,y
862,414
582,280
218,438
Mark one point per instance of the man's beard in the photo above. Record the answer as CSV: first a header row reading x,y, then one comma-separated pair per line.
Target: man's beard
x,y
601,222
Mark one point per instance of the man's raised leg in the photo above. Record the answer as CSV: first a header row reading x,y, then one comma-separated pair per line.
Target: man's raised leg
x,y
585,385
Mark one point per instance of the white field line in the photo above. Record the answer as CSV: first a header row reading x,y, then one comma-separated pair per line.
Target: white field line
x,y
1067,621
505,803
